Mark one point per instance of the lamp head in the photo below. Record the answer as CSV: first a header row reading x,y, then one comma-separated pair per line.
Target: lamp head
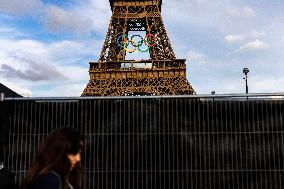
x,y
245,71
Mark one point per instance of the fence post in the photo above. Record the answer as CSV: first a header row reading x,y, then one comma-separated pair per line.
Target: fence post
x,y
2,128
2,97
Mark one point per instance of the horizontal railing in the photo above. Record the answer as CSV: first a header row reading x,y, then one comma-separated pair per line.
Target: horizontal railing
x,y
141,64
199,96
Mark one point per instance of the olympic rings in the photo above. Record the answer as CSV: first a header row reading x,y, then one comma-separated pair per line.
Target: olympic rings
x,y
123,41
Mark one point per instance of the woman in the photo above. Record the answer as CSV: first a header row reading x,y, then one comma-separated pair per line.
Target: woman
x,y
57,163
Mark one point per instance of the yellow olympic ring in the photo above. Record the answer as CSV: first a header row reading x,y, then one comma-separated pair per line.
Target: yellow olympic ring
x,y
130,50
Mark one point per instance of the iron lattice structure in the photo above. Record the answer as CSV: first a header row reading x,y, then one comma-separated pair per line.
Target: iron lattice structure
x,y
112,75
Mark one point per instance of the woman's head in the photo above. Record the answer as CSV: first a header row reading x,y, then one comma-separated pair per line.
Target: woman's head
x,y
60,152
58,146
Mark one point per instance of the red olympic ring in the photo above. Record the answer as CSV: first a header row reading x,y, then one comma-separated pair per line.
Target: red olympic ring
x,y
147,41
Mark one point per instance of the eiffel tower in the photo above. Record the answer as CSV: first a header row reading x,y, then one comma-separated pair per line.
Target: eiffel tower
x,y
113,75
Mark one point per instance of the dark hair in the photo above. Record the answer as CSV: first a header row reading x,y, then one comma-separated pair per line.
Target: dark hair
x,y
53,156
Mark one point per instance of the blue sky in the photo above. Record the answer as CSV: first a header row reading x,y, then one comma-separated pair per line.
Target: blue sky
x,y
46,45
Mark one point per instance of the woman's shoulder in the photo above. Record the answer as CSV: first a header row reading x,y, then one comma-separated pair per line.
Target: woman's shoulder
x,y
50,180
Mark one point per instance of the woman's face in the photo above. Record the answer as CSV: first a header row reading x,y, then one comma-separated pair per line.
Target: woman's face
x,y
74,159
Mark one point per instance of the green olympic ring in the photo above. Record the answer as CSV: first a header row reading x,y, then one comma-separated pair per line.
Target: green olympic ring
x,y
139,45
123,41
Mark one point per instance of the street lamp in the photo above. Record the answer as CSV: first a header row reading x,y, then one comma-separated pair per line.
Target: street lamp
x,y
246,71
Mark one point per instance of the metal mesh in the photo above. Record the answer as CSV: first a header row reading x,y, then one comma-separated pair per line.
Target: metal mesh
x,y
161,143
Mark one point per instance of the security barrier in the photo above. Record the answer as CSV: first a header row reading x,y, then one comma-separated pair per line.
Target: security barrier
x,y
180,142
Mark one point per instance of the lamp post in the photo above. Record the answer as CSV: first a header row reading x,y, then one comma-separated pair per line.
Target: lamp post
x,y
213,93
246,71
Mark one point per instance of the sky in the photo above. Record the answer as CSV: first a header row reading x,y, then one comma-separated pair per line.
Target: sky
x,y
46,45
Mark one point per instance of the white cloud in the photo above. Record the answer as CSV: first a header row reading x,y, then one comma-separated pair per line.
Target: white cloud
x,y
234,38
6,30
255,45
17,88
18,7
63,90
267,84
35,72
257,34
26,59
33,49
198,13
76,50
83,18
245,37
32,67
74,73
99,4
99,12
60,20
243,12
196,57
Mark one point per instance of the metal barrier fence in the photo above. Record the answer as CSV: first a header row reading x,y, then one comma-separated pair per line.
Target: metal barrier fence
x,y
157,142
